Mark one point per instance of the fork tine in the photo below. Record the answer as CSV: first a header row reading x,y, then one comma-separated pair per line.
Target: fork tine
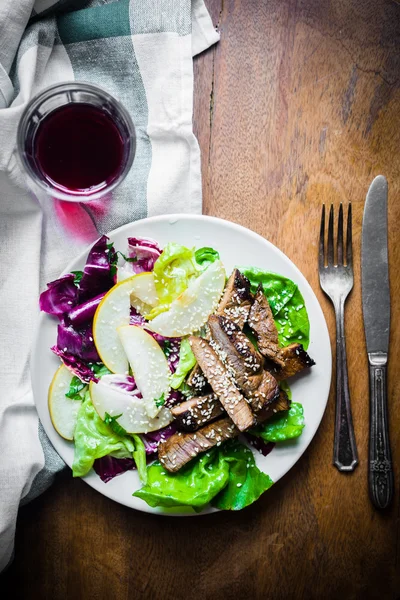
x,y
321,253
340,237
330,237
349,240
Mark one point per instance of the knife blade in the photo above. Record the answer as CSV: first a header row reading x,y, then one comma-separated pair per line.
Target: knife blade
x,y
376,313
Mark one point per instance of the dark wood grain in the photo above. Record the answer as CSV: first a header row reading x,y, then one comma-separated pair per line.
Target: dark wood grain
x,y
298,104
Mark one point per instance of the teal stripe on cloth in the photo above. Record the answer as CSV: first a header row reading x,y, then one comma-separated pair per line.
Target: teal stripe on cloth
x,y
111,64
105,21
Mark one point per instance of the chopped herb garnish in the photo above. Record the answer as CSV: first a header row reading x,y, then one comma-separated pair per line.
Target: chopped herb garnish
x,y
77,277
114,425
160,401
167,348
75,387
127,258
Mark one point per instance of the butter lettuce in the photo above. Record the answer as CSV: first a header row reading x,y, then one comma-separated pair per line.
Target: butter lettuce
x,y
186,362
285,425
173,270
94,439
287,305
227,477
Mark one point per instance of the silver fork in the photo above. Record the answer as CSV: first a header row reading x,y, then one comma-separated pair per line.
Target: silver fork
x,y
337,282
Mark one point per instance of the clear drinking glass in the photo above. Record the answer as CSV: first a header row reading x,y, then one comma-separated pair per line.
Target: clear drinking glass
x,y
55,99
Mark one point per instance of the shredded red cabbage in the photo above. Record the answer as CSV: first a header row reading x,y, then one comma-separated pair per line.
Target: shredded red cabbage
x,y
259,444
60,297
145,252
77,342
152,439
99,273
74,364
109,467
84,313
125,383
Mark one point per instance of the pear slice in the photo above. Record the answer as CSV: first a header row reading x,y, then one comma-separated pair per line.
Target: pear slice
x,y
63,410
190,311
144,295
149,365
114,311
134,417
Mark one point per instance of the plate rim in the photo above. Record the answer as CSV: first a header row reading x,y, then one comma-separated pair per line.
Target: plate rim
x,y
171,219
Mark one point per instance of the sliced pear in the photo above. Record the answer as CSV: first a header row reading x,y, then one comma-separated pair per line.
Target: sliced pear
x,y
144,296
190,311
148,363
63,410
134,417
123,273
112,312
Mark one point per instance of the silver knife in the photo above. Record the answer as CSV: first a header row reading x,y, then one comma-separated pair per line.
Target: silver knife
x,y
376,312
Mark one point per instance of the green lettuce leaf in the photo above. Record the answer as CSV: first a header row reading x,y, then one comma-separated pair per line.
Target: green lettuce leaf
x,y
76,389
205,256
285,425
139,455
287,305
286,388
94,439
173,270
246,482
211,477
186,363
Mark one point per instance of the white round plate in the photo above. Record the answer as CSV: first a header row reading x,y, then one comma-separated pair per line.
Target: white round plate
x,y
237,246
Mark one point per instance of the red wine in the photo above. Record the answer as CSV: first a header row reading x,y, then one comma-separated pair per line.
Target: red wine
x,y
79,147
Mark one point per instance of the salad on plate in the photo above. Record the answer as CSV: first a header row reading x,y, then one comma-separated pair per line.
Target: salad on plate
x,y
175,368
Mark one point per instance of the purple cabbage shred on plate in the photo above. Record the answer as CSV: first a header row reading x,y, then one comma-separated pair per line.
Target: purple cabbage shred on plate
x,y
259,444
142,254
152,439
109,467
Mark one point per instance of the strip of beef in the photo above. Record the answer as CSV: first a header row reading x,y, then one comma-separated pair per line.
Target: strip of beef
x,y
198,411
281,402
180,448
236,300
234,304
221,382
262,323
295,359
246,364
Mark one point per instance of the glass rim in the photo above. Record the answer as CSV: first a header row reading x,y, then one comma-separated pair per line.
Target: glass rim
x,y
32,106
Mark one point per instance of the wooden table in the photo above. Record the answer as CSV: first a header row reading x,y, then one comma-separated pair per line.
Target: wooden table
x,y
298,104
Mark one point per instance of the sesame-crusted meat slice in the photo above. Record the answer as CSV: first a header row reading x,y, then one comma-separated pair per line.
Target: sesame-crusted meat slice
x,y
197,381
262,323
237,299
180,448
196,412
280,403
259,386
295,359
222,383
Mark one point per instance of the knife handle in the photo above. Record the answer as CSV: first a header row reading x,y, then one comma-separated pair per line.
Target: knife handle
x,y
380,459
345,457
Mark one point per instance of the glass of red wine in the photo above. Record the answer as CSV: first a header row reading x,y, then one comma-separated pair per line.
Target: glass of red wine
x,y
75,142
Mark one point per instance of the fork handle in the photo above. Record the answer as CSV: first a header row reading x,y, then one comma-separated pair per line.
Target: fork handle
x,y
380,469
345,456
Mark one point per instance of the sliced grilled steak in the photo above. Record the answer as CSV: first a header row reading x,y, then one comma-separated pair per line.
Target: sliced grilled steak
x,y
262,323
236,300
194,413
295,359
180,448
197,381
257,385
221,382
281,402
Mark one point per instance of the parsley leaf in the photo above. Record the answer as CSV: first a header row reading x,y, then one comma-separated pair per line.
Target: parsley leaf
x,y
75,387
78,277
114,425
160,401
